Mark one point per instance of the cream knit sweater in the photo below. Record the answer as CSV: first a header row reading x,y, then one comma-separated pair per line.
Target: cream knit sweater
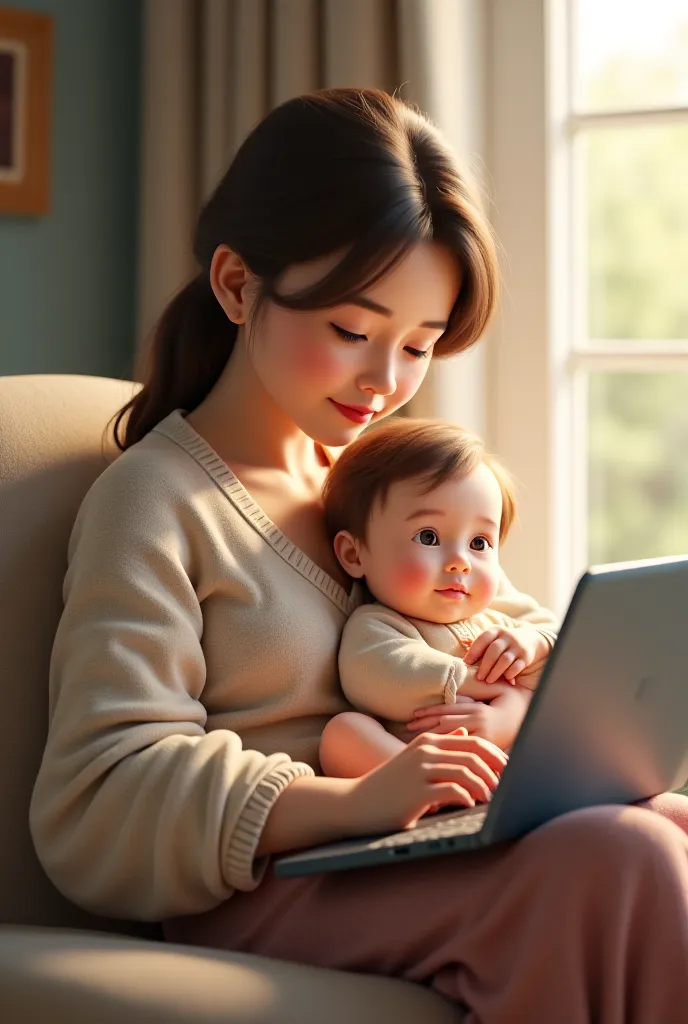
x,y
194,668
389,665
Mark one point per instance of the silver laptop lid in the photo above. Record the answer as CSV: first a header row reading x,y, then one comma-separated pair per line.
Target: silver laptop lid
x,y
619,676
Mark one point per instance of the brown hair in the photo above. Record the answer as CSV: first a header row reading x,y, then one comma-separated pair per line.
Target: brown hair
x,y
351,169
403,449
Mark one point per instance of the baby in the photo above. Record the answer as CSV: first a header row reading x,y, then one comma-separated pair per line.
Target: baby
x,y
417,510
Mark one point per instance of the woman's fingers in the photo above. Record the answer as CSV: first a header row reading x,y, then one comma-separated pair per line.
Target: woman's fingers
x,y
451,712
442,709
449,793
467,719
459,760
464,777
488,752
448,724
422,724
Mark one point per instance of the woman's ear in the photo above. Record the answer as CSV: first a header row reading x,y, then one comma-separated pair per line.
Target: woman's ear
x,y
233,284
348,551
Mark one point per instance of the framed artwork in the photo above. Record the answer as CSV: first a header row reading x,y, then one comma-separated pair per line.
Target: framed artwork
x,y
26,42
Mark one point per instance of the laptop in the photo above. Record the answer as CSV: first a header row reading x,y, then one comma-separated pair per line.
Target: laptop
x,y
608,723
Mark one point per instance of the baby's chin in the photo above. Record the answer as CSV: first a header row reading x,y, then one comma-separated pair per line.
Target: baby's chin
x,y
445,610
442,611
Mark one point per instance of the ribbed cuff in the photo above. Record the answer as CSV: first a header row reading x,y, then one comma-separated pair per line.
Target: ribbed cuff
x,y
457,677
242,870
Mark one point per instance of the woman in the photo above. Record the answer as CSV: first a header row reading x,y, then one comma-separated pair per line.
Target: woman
x,y
342,250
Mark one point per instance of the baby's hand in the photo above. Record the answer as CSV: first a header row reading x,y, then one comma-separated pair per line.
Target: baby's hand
x,y
503,652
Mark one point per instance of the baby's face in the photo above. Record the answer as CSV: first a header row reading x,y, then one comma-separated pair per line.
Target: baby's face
x,y
435,556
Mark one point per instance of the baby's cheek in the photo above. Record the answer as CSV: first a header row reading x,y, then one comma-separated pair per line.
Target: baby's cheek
x,y
486,585
410,576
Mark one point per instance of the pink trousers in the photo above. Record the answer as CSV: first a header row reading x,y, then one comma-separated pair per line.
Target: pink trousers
x,y
583,920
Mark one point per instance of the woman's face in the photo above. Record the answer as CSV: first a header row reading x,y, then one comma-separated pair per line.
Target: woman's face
x,y
334,371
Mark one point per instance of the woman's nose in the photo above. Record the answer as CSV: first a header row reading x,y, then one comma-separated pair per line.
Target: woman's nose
x,y
379,377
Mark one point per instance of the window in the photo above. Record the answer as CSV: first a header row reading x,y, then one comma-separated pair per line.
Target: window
x,y
629,128
601,343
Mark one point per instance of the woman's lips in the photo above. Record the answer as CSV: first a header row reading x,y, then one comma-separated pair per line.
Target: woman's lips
x,y
355,413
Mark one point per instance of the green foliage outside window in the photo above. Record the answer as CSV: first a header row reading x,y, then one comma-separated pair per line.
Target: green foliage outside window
x,y
637,183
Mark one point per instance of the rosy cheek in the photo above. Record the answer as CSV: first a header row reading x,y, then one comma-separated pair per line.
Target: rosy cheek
x,y
315,362
488,584
410,575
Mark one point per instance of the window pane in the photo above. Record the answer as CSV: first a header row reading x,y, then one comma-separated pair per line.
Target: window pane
x,y
630,53
637,231
637,469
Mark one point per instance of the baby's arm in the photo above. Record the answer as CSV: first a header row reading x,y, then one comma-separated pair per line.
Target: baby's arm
x,y
386,668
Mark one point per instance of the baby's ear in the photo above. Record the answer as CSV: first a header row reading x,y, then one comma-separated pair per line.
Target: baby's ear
x,y
348,551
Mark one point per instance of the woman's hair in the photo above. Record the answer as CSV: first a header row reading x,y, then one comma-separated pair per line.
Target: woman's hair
x,y
355,170
405,449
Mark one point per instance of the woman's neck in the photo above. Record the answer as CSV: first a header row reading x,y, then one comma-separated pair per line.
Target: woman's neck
x,y
240,420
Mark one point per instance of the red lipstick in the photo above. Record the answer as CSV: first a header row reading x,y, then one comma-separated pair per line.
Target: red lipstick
x,y
355,413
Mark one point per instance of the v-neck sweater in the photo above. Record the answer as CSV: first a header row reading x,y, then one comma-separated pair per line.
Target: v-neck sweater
x,y
193,671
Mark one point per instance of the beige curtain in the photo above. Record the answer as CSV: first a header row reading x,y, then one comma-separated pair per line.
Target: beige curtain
x,y
213,68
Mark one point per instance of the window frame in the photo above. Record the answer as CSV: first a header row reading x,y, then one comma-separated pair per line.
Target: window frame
x,y
538,359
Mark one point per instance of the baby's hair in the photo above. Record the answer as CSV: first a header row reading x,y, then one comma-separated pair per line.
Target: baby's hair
x,y
347,170
405,449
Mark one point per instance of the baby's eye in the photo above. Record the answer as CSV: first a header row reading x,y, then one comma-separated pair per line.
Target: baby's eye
x,y
480,544
428,538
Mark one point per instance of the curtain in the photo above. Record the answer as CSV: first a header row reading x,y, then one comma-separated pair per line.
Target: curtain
x,y
213,68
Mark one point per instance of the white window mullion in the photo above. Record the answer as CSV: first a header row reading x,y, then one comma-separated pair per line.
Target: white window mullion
x,y
519,398
610,359
534,399
627,118
568,310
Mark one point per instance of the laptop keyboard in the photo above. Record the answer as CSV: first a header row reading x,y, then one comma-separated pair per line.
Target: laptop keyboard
x,y
461,824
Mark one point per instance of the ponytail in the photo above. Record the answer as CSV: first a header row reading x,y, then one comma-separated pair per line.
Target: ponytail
x,y
191,345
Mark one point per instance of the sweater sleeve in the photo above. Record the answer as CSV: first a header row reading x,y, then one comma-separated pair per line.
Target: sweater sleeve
x,y
525,609
137,812
387,669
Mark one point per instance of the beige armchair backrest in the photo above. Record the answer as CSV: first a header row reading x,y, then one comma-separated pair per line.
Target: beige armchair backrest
x,y
52,434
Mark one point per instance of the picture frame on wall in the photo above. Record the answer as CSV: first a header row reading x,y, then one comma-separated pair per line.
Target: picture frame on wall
x,y
26,56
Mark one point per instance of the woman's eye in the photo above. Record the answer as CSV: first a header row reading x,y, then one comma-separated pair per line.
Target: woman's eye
x,y
480,544
428,538
347,335
418,353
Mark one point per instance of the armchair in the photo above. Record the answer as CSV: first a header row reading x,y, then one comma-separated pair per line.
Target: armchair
x,y
57,963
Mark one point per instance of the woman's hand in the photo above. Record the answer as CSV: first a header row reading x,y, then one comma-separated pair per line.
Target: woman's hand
x,y
432,771
445,718
504,652
498,721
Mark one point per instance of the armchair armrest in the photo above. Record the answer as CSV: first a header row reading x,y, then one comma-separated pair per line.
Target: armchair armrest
x,y
70,977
